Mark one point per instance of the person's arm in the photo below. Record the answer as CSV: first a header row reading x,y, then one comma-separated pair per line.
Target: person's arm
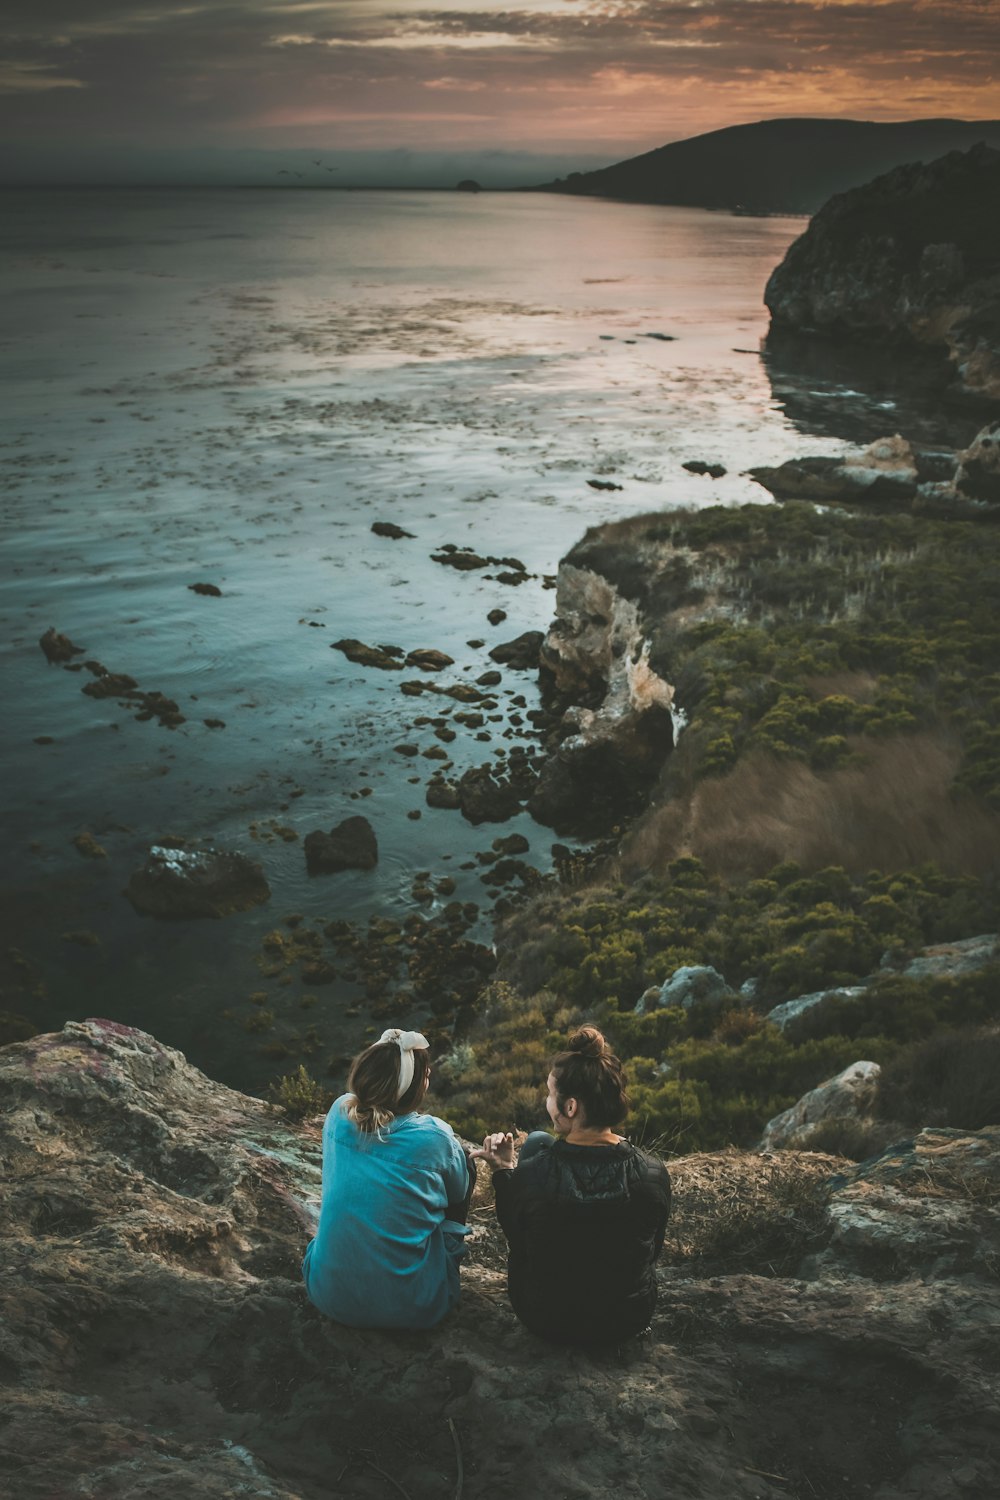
x,y
456,1170
498,1150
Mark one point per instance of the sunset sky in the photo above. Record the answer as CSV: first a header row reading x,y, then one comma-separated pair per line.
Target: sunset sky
x,y
571,81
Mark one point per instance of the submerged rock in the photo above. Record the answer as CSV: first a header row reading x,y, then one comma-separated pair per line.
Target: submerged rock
x,y
175,884
351,845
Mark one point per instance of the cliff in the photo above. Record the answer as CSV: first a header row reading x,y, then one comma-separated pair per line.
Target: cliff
x,y
827,671
775,166
911,258
822,1330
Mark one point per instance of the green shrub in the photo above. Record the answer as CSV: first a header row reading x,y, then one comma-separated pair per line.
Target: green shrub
x,y
299,1095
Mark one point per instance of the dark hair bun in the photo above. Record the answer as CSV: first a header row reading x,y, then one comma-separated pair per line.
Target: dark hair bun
x,y
589,1042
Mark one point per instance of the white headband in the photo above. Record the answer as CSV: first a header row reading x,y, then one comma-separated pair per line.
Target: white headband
x,y
406,1041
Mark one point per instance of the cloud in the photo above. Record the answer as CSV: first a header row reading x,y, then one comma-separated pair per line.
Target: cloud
x,y
586,73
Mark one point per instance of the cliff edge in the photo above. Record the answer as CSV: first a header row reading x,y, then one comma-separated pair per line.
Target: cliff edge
x,y
156,1340
912,257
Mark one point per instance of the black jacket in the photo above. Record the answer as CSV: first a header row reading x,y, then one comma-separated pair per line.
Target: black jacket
x,y
584,1225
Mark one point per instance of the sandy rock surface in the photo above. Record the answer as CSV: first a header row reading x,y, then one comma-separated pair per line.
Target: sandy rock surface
x,y
156,1342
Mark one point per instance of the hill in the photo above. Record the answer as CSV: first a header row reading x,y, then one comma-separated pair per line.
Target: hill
x,y
775,166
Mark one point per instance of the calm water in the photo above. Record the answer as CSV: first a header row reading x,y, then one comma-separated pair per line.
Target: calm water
x,y
231,388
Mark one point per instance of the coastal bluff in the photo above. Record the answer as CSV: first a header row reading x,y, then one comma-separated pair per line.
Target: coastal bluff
x,y
912,258
156,1340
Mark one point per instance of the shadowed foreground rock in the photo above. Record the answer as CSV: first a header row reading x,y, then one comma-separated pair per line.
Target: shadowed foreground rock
x,y
155,1340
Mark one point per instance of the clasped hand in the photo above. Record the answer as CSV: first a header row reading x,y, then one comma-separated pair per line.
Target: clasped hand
x,y
498,1150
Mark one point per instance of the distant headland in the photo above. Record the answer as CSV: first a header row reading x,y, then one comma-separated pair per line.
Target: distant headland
x,y
775,166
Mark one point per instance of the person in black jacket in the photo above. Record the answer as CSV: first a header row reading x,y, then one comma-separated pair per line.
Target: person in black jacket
x,y
584,1214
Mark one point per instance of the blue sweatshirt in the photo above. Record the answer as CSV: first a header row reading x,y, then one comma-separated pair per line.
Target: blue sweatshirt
x,y
384,1255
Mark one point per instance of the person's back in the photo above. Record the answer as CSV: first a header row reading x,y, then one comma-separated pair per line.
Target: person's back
x,y
584,1225
584,1215
395,1195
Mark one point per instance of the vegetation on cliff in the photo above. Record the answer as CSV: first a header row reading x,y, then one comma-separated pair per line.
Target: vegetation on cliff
x,y
706,1076
833,644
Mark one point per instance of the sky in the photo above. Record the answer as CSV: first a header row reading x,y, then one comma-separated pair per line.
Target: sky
x,y
334,87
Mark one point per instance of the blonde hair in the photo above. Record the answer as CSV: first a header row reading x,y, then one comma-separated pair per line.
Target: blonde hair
x,y
373,1082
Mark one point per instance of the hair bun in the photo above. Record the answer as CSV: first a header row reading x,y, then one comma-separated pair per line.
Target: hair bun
x,y
589,1042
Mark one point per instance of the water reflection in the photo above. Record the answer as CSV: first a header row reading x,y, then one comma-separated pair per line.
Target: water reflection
x,y
860,393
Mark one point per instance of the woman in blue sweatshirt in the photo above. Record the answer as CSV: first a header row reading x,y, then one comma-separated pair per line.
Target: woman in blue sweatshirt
x,y
396,1191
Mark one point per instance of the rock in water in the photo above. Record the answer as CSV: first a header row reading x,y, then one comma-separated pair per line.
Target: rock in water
x,y
57,647
424,659
175,884
386,658
391,530
521,653
352,845
485,797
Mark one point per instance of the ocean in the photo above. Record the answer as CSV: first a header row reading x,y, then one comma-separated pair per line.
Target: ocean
x,y
230,388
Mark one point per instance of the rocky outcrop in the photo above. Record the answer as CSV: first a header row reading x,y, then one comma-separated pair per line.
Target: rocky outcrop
x,y
59,648
156,1341
618,729
175,884
351,845
696,984
914,257
849,1097
891,474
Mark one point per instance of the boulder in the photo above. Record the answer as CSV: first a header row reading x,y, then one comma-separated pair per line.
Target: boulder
x,y
696,984
850,1096
522,653
699,466
424,659
57,647
351,845
175,884
790,1010
978,473
386,658
391,530
949,960
485,797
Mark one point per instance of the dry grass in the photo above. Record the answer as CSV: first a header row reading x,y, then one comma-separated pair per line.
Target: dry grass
x,y
894,811
736,1211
